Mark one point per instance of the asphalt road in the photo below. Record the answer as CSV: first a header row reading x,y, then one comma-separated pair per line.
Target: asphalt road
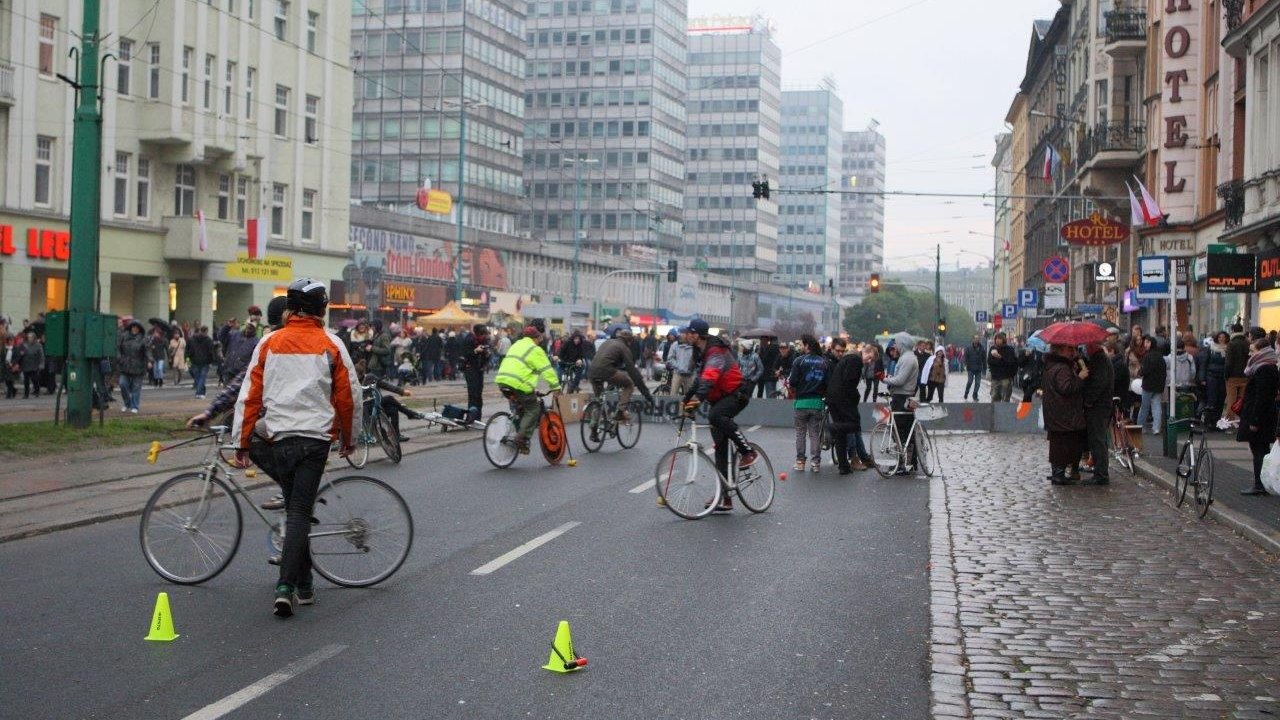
x,y
818,608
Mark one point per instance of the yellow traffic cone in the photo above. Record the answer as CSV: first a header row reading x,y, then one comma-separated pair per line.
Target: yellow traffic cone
x,y
162,621
563,659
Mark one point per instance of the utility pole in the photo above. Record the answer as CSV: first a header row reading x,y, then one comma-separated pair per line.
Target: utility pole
x,y
937,283
86,177
654,221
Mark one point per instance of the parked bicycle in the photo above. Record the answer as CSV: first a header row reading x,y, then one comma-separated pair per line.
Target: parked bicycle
x,y
191,526
502,447
1195,465
689,484
376,428
1122,439
889,448
602,419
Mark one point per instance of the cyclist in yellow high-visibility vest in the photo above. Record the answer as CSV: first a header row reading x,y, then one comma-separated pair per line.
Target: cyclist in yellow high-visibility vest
x,y
518,376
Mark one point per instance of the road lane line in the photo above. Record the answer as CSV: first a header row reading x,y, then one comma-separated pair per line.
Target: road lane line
x,y
265,685
754,428
643,486
524,549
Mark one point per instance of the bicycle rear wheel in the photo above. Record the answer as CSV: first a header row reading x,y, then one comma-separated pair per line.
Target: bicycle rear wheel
x,y
1182,474
190,528
689,483
755,485
926,452
388,438
885,449
499,440
364,531
1202,481
629,431
592,426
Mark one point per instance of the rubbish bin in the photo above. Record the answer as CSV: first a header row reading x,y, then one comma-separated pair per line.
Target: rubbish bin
x,y
1184,408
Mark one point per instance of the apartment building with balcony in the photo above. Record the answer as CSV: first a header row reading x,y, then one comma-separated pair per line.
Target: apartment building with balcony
x,y
223,111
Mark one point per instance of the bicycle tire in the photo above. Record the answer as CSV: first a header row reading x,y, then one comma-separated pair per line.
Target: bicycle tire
x,y
592,421
1204,482
1182,474
184,491
926,452
363,513
498,436
360,456
885,449
635,424
756,489
388,438
688,482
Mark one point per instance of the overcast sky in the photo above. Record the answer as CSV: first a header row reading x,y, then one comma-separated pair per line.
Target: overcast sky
x,y
939,75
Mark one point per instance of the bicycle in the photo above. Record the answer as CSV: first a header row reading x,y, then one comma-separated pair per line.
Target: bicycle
x,y
1121,441
600,421
191,525
888,449
500,446
375,429
1195,466
689,484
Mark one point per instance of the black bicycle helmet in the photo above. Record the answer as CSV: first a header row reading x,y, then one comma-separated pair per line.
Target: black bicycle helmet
x,y
275,311
308,296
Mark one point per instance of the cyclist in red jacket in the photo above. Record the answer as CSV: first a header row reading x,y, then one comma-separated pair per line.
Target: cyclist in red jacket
x,y
719,382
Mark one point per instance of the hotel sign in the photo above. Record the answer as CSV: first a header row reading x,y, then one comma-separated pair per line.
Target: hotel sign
x,y
1095,230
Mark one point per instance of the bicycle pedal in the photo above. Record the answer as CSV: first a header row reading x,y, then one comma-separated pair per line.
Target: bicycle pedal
x,y
273,559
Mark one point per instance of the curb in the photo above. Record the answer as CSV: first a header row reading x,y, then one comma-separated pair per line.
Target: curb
x,y
1264,537
949,681
105,517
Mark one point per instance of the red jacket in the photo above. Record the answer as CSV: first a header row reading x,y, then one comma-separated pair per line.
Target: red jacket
x,y
720,375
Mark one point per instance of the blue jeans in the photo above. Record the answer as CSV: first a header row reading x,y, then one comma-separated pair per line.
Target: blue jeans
x,y
975,381
157,370
1153,406
198,375
130,391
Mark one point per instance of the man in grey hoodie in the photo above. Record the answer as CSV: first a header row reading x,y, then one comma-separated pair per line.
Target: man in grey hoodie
x,y
902,386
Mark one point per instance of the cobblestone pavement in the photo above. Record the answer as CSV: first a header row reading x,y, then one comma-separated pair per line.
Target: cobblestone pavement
x,y
1090,602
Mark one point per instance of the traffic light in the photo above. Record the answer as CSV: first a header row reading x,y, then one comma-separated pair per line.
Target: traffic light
x,y
760,189
875,282
671,270
942,326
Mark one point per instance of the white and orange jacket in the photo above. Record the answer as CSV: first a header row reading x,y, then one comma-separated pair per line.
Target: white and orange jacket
x,y
300,383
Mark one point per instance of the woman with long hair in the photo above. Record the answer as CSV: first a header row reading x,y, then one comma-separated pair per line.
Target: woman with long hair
x,y
1258,415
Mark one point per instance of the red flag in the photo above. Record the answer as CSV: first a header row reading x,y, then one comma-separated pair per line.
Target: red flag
x,y
255,230
1151,212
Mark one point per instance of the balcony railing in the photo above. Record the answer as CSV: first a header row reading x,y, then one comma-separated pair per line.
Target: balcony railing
x,y
1124,25
1232,194
1112,137
1234,10
6,82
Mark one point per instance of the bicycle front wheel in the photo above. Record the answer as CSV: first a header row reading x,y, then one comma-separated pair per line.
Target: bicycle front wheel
x,y
388,438
591,427
755,485
926,452
190,528
360,456
1202,480
629,430
363,534
689,483
499,440
1182,474
886,451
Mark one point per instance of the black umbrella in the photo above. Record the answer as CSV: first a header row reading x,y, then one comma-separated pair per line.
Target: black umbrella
x,y
759,333
1110,327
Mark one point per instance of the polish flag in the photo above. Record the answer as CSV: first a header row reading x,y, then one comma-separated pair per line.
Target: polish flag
x,y
202,231
1048,162
1135,209
1151,213
255,230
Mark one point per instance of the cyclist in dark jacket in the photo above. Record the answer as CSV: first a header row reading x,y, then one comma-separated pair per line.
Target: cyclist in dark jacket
x,y
719,382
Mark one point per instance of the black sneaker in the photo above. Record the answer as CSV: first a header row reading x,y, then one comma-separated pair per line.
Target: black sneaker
x,y
283,604
275,502
306,595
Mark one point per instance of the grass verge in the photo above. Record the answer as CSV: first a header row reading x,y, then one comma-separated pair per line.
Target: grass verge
x,y
42,438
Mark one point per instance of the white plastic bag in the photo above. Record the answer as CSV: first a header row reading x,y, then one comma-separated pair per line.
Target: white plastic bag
x,y
1135,387
1040,419
1271,470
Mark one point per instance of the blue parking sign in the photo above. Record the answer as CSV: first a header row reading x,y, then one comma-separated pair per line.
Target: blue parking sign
x,y
980,316
1009,311
1028,297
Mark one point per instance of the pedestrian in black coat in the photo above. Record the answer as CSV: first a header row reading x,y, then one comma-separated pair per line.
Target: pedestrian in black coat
x,y
1098,387
842,404
1258,415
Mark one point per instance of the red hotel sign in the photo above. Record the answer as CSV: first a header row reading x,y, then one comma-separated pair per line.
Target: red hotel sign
x,y
1095,230
42,244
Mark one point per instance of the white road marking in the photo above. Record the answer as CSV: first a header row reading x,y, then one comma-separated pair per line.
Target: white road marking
x,y
754,428
265,685
643,486
524,549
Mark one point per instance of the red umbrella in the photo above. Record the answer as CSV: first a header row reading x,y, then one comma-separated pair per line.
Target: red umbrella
x,y
1073,333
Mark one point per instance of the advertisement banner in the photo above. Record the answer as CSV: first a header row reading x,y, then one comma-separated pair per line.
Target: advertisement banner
x,y
1232,273
271,268
1268,270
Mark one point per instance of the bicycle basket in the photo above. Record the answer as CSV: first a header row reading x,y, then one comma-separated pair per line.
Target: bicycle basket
x,y
926,412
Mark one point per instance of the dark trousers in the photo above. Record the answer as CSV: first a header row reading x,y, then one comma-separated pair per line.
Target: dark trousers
x,y
1098,438
1260,449
298,465
873,389
199,373
898,404
939,388
724,429
846,430
30,379
975,382
475,390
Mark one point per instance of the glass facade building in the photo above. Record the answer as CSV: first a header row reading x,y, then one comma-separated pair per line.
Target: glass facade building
x,y
809,223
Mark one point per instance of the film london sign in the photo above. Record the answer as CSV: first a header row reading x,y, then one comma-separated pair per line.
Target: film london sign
x,y
1095,230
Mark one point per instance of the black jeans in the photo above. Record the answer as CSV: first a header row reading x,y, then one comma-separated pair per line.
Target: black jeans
x,y
724,429
298,464
30,378
1098,435
475,390
898,404
846,424
872,390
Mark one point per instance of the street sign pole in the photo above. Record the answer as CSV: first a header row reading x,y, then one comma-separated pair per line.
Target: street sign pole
x,y
86,174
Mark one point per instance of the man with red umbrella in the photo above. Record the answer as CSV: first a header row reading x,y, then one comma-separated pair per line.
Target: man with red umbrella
x,y
1097,410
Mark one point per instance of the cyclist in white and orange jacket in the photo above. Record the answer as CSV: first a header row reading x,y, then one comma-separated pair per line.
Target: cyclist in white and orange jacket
x,y
299,396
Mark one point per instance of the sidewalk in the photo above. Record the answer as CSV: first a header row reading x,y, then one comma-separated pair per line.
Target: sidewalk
x,y
1257,518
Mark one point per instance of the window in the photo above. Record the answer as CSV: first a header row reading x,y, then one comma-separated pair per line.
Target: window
x,y
124,63
224,197
313,107
187,54
282,111
44,170
242,198
228,90
249,75
250,8
277,210
48,27
282,17
122,184
313,24
144,188
210,63
184,190
308,214
153,71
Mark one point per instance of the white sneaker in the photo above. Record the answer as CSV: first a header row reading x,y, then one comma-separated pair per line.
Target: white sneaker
x,y
815,467
133,410
124,409
799,466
